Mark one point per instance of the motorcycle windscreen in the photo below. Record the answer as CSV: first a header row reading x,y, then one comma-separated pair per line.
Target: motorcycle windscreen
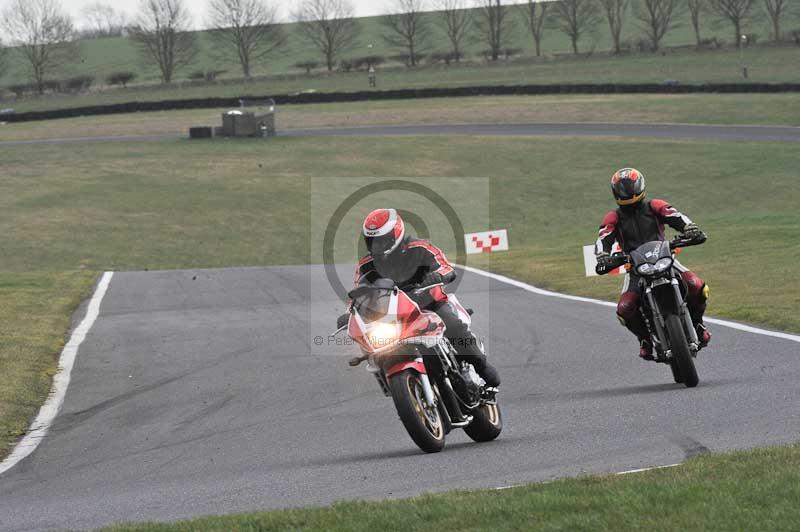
x,y
373,305
651,252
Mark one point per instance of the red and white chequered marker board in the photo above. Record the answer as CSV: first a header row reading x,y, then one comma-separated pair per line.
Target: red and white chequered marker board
x,y
590,261
486,242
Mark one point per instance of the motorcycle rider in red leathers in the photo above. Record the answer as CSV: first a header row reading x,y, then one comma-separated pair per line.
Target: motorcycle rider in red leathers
x,y
636,222
413,263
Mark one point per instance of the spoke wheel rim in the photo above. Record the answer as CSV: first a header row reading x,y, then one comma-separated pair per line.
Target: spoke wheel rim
x,y
430,416
493,414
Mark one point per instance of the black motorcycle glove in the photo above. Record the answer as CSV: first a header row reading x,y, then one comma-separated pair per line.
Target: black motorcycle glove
x,y
604,264
693,233
432,278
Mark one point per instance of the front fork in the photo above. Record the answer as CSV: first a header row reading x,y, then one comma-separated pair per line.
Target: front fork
x,y
688,324
658,318
683,310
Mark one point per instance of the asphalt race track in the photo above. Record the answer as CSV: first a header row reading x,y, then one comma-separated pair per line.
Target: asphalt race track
x,y
200,392
738,133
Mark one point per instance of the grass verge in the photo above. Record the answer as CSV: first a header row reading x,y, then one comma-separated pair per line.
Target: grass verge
x,y
35,310
752,109
752,490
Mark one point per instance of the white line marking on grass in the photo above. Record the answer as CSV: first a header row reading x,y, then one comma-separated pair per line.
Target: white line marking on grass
x,y
642,470
547,293
40,426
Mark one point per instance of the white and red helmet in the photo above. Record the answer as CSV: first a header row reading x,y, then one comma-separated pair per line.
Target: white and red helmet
x,y
383,231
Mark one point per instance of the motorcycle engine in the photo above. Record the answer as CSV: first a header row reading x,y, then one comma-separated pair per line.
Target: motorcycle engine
x,y
467,383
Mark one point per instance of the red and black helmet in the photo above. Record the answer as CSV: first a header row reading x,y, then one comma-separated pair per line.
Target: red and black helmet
x,y
383,231
628,186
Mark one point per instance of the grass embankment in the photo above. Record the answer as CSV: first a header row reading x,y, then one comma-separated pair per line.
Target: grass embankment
x,y
97,207
754,490
766,65
277,74
103,56
737,109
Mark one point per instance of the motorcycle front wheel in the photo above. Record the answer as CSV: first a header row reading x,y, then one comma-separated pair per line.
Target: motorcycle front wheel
x,y
423,422
487,423
681,355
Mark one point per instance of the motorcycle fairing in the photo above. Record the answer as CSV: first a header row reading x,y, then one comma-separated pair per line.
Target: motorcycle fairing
x,y
418,327
417,365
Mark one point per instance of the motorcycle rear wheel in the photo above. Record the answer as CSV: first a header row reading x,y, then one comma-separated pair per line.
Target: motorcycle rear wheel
x,y
682,357
487,423
423,424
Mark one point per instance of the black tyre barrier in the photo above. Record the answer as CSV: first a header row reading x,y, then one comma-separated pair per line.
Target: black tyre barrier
x,y
200,132
406,94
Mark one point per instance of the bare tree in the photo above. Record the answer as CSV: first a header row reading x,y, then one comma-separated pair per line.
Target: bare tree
x,y
455,20
408,28
615,10
696,9
3,56
776,9
162,31
104,20
535,13
43,34
248,28
575,18
330,26
658,18
736,11
493,25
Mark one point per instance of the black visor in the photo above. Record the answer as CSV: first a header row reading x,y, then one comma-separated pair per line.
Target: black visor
x,y
379,245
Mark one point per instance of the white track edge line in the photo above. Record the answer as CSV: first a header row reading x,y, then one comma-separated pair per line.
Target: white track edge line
x,y
630,472
40,426
645,469
547,293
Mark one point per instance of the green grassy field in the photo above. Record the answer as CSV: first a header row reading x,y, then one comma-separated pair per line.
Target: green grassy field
x,y
755,490
278,76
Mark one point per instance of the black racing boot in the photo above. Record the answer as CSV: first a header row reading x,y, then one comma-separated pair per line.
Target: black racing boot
x,y
487,372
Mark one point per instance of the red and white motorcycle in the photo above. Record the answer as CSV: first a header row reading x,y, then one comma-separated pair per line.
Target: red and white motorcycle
x,y
414,363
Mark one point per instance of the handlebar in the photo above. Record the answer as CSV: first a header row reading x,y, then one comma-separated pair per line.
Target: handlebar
x,y
422,289
621,258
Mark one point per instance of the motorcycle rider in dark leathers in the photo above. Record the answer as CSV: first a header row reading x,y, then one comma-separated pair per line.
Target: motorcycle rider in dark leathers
x,y
413,263
636,222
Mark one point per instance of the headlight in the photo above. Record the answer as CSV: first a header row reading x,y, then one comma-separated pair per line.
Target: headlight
x,y
382,334
646,269
664,264
659,267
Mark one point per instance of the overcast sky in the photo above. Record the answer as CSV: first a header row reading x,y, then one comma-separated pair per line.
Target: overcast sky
x,y
364,8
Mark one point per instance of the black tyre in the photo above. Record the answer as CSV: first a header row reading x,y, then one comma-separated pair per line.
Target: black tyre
x,y
487,423
424,425
680,352
676,372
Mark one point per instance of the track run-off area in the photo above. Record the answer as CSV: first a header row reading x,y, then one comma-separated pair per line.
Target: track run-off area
x,y
675,131
201,392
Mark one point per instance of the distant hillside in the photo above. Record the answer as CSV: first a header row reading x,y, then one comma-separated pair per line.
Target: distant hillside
x,y
103,56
